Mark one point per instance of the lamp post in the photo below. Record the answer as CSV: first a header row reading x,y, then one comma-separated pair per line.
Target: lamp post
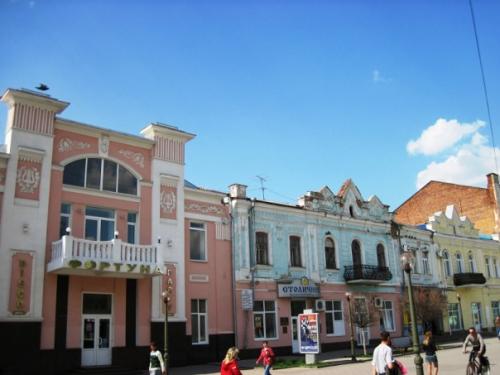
x,y
415,343
166,299
460,307
353,356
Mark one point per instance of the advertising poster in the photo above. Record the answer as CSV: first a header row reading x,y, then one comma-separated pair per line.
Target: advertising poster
x,y
308,326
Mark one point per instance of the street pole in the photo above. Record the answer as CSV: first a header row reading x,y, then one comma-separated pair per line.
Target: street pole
x,y
353,356
166,299
418,359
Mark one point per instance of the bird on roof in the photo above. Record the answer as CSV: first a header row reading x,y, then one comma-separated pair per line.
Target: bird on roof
x,y
42,87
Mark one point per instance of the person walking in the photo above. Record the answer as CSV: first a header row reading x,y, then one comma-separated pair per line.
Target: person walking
x,y
478,346
382,362
266,357
229,365
156,363
429,348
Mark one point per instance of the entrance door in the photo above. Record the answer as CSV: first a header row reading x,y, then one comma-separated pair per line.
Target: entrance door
x,y
96,348
476,316
96,330
296,308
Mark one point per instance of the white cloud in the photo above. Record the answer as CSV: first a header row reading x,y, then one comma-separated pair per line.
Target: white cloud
x,y
377,77
441,136
468,166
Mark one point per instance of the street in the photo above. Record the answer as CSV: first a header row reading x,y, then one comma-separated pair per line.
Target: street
x,y
451,362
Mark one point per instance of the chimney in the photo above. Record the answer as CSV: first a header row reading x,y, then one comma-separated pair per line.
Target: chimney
x,y
237,191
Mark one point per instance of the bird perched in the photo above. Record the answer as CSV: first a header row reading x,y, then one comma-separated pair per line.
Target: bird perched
x,y
42,87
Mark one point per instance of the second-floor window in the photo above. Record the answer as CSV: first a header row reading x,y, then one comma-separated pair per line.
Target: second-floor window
x,y
425,263
356,253
381,255
496,267
446,263
295,254
262,248
331,261
472,263
488,266
460,263
100,174
99,224
131,227
197,244
65,219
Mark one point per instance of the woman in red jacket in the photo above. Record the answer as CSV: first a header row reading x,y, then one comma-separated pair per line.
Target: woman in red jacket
x,y
266,357
229,365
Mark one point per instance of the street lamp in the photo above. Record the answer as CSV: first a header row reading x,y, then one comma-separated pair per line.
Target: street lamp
x,y
460,307
415,344
166,299
353,356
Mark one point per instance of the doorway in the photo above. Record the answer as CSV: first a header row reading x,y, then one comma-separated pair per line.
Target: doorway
x,y
96,330
296,307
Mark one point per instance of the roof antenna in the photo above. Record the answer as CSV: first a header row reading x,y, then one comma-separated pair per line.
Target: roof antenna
x,y
42,87
262,180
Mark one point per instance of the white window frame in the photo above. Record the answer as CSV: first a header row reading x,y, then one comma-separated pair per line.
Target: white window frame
x,y
338,325
205,247
301,251
459,260
66,215
99,219
385,312
487,265
264,312
472,262
448,269
197,315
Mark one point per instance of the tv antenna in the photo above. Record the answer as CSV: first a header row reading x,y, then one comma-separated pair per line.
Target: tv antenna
x,y
262,180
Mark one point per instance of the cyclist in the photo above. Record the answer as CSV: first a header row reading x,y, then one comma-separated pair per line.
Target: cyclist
x,y
478,346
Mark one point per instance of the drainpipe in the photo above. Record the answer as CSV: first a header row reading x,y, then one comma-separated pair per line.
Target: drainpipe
x,y
251,222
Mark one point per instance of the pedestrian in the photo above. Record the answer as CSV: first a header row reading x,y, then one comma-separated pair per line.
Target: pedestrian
x,y
266,357
382,362
429,347
478,346
497,324
229,365
156,364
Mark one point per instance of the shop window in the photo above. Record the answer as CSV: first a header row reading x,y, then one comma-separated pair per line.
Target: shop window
x,y
334,318
387,317
264,319
454,319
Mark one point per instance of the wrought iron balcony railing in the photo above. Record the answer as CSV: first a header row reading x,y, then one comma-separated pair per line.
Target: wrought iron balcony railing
x,y
468,278
367,272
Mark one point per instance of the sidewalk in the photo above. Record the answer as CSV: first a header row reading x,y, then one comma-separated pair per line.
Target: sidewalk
x,y
331,358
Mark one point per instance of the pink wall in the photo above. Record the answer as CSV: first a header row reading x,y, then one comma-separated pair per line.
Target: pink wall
x,y
143,311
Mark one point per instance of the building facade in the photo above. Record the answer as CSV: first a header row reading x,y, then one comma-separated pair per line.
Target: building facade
x,y
95,225
291,258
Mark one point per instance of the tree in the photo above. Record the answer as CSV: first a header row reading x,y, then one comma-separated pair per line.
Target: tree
x,y
429,304
363,316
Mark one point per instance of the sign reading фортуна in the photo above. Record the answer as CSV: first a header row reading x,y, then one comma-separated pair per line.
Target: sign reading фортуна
x,y
299,288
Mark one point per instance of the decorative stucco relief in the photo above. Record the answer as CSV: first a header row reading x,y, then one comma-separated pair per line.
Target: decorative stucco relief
x,y
135,157
104,145
67,144
168,201
204,209
28,179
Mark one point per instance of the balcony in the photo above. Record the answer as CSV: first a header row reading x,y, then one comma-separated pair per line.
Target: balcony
x,y
77,256
469,279
366,274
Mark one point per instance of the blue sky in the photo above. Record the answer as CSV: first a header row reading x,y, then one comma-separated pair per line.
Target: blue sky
x,y
304,93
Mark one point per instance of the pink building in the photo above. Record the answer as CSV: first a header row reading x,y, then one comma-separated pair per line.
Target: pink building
x,y
93,222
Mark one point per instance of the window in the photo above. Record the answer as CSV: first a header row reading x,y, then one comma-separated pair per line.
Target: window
x,y
460,263
472,263
131,227
351,211
454,319
65,219
356,253
496,267
264,319
197,245
262,247
199,321
99,224
495,308
334,317
295,255
100,174
488,266
446,262
381,255
425,263
387,317
331,261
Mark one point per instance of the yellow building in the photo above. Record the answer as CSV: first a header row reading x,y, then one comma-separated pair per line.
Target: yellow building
x,y
470,270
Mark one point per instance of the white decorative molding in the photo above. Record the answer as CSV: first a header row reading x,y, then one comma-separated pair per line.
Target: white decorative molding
x,y
104,145
67,144
28,179
168,201
222,231
205,209
198,278
135,157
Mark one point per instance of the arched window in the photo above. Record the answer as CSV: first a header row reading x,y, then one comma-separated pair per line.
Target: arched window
x,y
100,174
460,263
351,211
446,263
381,255
472,262
262,247
331,262
356,253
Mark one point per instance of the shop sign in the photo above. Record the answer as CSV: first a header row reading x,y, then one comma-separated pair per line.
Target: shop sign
x,y
309,333
247,299
299,288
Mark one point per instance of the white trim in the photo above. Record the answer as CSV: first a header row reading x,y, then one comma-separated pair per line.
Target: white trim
x,y
101,193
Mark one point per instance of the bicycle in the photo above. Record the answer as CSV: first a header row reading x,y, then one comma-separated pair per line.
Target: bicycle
x,y
474,365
